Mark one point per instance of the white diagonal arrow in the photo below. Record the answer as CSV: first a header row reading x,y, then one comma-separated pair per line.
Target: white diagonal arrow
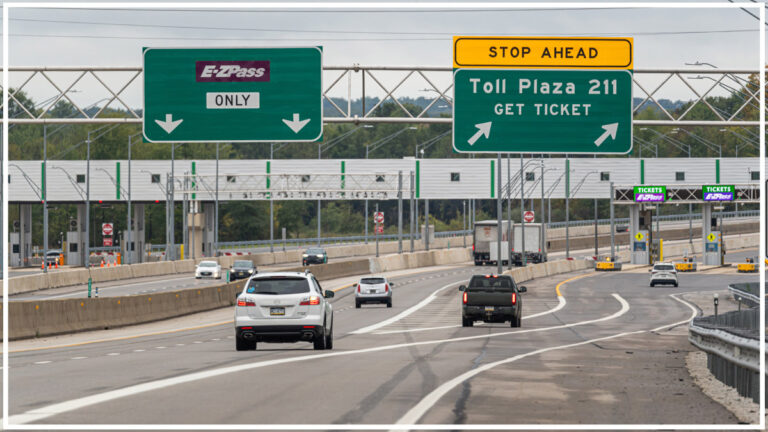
x,y
610,129
482,129
296,125
169,124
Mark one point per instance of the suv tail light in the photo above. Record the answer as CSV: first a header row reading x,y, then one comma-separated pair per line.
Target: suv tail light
x,y
310,301
386,287
358,287
473,247
514,298
245,303
464,299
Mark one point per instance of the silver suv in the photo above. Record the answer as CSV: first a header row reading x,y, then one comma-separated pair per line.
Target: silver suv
x,y
663,273
373,289
283,307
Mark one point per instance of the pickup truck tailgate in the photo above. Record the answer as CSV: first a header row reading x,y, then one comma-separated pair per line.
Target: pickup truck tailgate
x,y
489,298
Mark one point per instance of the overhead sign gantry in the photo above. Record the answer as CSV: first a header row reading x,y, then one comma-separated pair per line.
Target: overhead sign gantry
x,y
542,95
237,94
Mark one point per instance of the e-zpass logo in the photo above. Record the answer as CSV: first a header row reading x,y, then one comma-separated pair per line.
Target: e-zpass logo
x,y
232,71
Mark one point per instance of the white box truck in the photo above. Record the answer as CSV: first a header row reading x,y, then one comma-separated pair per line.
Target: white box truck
x,y
535,243
485,233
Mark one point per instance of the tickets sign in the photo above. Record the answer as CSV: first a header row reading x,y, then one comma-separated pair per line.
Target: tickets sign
x,y
718,192
650,193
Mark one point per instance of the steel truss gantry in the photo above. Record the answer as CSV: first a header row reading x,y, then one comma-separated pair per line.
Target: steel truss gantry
x,y
649,84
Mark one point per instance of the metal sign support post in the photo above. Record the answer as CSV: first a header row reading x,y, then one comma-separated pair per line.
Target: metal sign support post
x,y
399,212
172,203
464,222
129,228
45,200
87,242
411,213
509,211
613,231
567,207
522,213
215,251
376,230
499,268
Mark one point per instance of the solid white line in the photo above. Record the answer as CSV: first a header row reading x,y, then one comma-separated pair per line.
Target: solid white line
x,y
75,404
415,413
78,358
43,362
404,313
694,312
139,350
560,305
113,354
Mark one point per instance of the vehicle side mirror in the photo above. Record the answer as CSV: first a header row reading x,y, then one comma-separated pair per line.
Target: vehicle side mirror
x,y
522,289
462,288
329,294
391,284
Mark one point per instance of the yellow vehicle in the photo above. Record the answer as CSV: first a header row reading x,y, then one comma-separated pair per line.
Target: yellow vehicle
x,y
687,265
750,266
609,264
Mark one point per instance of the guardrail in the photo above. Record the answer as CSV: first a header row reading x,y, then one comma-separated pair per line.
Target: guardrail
x,y
663,218
732,343
747,293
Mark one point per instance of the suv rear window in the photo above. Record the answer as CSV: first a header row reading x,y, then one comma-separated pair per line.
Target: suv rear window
x,y
243,264
482,283
664,267
278,286
371,281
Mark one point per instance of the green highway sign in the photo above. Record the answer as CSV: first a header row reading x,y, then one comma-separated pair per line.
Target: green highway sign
x,y
233,94
542,111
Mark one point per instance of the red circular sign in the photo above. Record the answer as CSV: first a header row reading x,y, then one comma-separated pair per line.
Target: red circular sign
x,y
378,217
106,229
528,216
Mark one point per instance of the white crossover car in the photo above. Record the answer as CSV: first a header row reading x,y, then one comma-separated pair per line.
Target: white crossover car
x,y
283,307
373,289
663,273
208,269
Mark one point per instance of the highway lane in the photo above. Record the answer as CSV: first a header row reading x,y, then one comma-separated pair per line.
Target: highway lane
x,y
380,375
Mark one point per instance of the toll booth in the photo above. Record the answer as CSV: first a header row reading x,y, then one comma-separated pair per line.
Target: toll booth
x,y
74,248
15,250
641,232
641,247
713,248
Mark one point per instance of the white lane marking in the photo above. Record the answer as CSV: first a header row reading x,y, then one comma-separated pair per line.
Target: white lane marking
x,y
198,342
139,350
180,344
404,313
43,362
424,405
560,305
75,404
215,339
160,347
694,312
78,358
113,354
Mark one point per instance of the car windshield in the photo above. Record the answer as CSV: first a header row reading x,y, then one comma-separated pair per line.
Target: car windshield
x,y
243,264
315,251
664,267
492,283
278,285
207,264
372,281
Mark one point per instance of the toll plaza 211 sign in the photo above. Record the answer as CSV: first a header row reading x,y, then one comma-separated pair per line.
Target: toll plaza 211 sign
x,y
718,192
650,193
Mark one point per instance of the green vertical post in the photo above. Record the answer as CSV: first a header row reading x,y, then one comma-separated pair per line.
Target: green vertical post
x,y
717,171
493,178
42,177
194,172
642,171
269,171
343,177
418,176
117,180
90,282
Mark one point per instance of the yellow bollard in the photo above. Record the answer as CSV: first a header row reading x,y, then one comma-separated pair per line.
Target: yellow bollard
x,y
182,251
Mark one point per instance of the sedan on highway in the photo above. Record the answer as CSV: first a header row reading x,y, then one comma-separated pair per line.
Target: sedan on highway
x,y
210,269
242,269
314,256
283,307
492,299
373,290
663,273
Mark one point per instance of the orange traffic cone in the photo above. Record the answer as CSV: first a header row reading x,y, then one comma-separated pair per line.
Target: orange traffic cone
x,y
56,264
42,265
102,263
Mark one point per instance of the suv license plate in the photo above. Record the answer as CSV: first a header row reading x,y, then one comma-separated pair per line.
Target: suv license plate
x,y
489,308
277,311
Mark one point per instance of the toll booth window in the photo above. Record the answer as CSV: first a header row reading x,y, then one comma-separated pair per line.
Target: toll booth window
x,y
605,176
680,176
530,176
80,178
15,248
755,175
73,247
231,179
455,177
155,178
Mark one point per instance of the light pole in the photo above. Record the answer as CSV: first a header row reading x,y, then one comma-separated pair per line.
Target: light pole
x,y
129,227
707,143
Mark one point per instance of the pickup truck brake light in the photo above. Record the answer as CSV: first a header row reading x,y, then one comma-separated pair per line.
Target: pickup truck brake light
x,y
514,298
464,299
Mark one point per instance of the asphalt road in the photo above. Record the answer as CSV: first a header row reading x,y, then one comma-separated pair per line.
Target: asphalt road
x,y
610,350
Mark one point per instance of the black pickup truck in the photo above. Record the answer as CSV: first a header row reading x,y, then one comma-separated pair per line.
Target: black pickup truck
x,y
492,298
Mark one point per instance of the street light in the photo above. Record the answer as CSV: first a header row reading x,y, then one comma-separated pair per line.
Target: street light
x,y
129,228
707,143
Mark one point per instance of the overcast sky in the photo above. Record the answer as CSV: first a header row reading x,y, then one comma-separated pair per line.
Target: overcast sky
x,y
663,38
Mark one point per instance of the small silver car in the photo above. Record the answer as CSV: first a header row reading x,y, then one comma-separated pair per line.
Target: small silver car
x,y
283,307
208,269
663,273
373,289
